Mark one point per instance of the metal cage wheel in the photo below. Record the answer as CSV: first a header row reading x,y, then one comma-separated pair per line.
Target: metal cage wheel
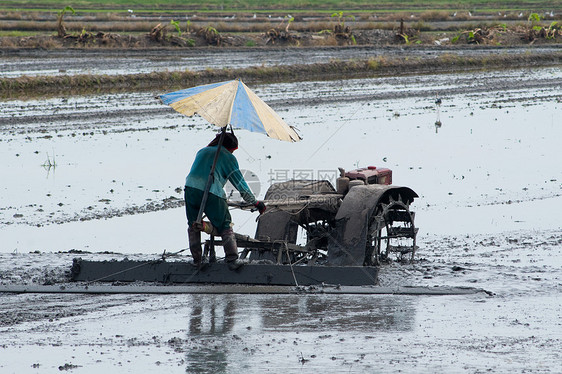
x,y
391,229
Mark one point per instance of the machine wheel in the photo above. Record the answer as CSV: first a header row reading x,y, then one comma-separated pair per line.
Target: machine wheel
x,y
391,230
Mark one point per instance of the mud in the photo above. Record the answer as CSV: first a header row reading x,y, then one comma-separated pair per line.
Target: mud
x,y
32,61
258,333
51,129
100,177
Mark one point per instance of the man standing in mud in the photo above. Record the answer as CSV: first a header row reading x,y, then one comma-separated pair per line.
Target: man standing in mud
x,y
216,207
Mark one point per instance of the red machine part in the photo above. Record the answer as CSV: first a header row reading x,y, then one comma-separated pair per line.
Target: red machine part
x,y
371,175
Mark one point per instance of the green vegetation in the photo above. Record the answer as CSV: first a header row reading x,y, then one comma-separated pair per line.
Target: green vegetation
x,y
17,33
534,17
551,30
126,23
176,24
289,20
294,5
341,18
61,30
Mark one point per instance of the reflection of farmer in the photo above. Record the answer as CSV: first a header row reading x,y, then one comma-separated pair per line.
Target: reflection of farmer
x,y
216,208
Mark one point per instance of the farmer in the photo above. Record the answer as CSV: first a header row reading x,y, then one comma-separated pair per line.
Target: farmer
x,y
216,208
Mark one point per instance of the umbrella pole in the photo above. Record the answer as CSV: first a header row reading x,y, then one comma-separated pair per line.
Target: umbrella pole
x,y
210,179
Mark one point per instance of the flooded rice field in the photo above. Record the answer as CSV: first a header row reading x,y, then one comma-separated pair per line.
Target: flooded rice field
x,y
103,174
34,62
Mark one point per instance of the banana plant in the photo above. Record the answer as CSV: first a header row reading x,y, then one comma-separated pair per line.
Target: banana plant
x,y
61,30
534,19
341,18
551,31
176,24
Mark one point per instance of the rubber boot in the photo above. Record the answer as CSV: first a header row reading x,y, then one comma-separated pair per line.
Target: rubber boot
x,y
194,236
230,249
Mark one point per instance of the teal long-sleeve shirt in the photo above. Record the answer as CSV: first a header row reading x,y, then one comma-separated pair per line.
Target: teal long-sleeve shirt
x,y
226,169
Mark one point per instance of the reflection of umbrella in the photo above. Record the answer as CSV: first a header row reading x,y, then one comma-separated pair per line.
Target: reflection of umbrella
x,y
229,103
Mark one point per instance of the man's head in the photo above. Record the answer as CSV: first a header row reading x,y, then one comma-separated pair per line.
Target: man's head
x,y
230,141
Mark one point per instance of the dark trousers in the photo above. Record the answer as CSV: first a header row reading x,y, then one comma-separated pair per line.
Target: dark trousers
x,y
216,208
217,212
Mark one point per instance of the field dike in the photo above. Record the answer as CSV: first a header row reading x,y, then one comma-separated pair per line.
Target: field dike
x,y
39,86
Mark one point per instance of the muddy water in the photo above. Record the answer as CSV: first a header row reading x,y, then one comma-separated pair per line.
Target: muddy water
x,y
307,333
76,159
489,180
67,62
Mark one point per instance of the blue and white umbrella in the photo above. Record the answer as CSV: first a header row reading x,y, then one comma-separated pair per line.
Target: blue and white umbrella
x,y
231,103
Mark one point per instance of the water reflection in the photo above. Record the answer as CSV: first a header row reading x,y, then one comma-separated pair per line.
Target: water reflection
x,y
438,110
221,325
214,316
336,313
206,359
49,165
223,314
211,317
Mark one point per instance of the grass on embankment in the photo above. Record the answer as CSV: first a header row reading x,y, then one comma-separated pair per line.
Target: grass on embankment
x,y
277,4
165,81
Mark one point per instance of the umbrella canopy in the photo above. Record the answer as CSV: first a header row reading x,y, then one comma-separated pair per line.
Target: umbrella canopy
x,y
231,103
